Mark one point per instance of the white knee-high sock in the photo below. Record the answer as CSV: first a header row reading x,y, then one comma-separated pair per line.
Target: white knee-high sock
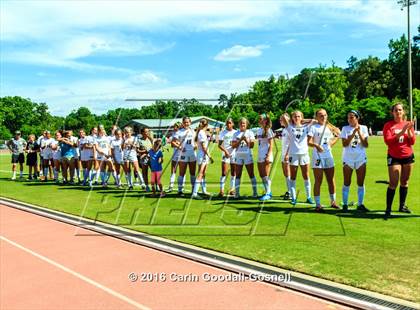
x,y
204,185
360,194
308,188
268,184
232,182
293,188
196,186
98,173
264,182
288,183
172,180
222,182
345,193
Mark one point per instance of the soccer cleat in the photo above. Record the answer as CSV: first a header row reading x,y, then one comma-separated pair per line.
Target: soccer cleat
x,y
265,197
130,187
334,205
310,201
362,208
143,186
319,208
221,194
196,197
254,195
13,178
345,208
162,194
232,192
293,201
170,189
147,189
404,209
181,194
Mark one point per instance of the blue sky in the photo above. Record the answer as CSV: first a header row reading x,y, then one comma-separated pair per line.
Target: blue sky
x,y
98,53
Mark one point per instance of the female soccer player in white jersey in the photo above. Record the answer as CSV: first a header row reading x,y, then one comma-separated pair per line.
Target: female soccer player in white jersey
x,y
86,146
175,157
322,136
129,148
47,155
103,150
145,140
297,154
203,158
117,154
184,141
228,157
56,150
96,163
284,121
243,142
265,153
355,141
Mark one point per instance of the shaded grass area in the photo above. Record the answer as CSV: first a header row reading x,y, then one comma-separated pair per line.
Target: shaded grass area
x,y
359,249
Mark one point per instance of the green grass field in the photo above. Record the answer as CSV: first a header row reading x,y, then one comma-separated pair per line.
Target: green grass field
x,y
353,248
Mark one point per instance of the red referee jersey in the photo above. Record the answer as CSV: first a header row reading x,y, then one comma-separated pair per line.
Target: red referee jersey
x,y
401,147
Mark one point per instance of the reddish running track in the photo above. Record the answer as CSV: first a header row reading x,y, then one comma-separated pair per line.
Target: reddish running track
x,y
45,265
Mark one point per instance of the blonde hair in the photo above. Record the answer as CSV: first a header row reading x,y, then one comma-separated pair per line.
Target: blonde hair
x,y
296,112
128,129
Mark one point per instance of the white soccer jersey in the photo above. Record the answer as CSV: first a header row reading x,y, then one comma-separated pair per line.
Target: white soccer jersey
x,y
202,139
243,149
298,139
57,152
355,151
85,152
264,142
46,150
116,146
284,141
103,144
317,132
129,147
186,137
226,137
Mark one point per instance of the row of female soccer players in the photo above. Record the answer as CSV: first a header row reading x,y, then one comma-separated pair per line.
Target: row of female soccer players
x,y
298,135
237,145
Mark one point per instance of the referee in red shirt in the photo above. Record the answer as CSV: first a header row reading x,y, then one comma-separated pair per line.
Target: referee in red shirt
x,y
399,136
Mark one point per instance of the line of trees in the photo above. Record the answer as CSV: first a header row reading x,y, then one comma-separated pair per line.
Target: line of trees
x,y
370,85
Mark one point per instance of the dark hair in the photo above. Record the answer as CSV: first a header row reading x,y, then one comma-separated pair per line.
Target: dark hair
x,y
267,125
203,123
356,113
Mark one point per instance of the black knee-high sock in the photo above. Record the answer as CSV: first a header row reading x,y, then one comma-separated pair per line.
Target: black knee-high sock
x,y
403,195
390,193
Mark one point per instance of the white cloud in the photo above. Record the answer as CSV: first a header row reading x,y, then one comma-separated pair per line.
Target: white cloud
x,y
239,52
288,41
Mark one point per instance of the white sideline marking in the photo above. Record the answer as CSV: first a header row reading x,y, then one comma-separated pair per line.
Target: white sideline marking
x,y
78,275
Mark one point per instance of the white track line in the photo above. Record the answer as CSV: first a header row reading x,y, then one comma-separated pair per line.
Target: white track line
x,y
78,275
